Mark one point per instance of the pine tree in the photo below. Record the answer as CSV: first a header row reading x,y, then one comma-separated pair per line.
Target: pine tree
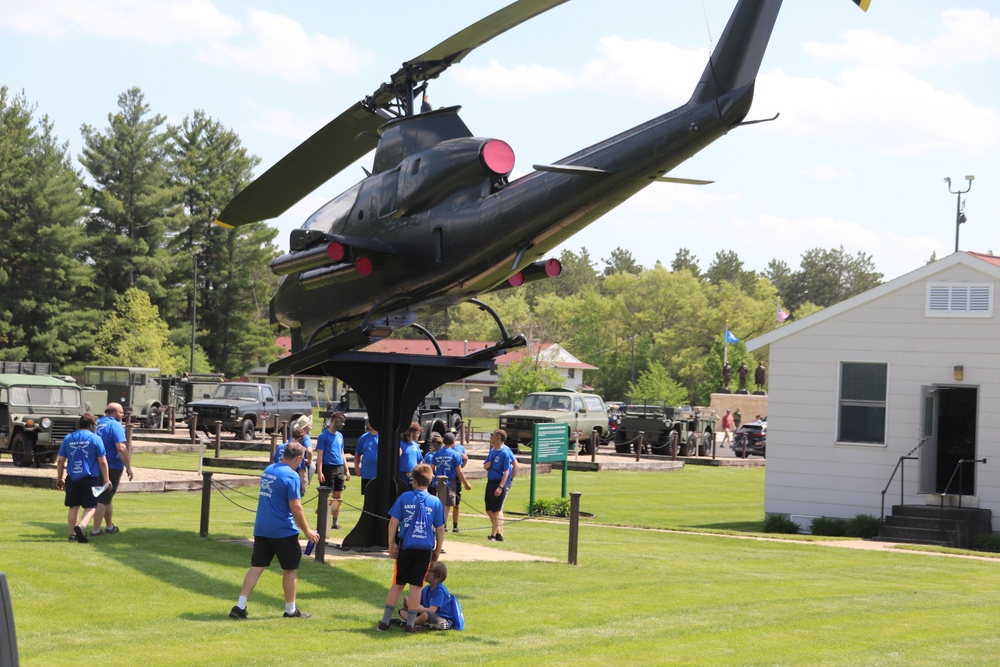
x,y
234,282
136,207
45,288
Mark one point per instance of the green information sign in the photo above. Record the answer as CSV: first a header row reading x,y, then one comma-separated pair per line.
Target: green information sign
x,y
550,445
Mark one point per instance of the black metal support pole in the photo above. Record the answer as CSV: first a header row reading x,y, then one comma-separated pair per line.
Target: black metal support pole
x,y
206,502
574,524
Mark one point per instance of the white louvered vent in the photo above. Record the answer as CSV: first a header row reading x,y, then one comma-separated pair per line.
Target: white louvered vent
x,y
959,300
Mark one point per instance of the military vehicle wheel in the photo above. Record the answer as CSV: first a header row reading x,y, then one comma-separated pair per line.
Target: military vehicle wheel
x,y
153,417
247,431
20,450
691,446
456,422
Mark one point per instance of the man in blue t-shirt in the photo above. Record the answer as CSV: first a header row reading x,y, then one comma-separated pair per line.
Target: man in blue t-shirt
x,y
82,457
112,433
409,454
448,463
449,442
501,467
330,464
366,457
417,518
276,530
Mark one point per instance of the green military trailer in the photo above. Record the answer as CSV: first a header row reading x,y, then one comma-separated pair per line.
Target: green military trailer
x,y
36,413
146,393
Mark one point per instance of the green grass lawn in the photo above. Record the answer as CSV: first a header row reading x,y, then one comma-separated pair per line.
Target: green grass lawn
x,y
157,594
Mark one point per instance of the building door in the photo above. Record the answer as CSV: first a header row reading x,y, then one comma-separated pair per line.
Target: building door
x,y
952,413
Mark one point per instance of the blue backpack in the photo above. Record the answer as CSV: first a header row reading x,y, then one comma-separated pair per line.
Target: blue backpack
x,y
420,533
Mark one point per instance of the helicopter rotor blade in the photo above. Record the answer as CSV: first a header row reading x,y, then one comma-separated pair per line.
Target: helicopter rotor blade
x,y
352,134
342,141
452,50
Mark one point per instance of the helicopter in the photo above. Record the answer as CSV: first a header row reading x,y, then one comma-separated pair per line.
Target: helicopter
x,y
438,221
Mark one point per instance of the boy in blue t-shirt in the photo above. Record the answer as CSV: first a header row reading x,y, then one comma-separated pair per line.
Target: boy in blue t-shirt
x,y
83,458
439,609
366,457
418,519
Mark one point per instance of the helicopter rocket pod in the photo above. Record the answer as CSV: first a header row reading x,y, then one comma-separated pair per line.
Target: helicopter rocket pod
x,y
438,222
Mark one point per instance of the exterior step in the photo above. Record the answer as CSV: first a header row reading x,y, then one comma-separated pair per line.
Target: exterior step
x,y
929,524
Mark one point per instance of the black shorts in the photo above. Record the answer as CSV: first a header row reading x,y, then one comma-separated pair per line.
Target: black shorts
x,y
458,492
80,493
411,566
334,476
115,477
287,550
494,503
447,493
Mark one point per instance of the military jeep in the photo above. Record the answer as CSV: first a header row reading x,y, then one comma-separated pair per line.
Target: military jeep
x,y
36,413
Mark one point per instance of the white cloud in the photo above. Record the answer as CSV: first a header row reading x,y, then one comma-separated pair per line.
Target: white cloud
x,y
519,82
656,71
281,47
968,36
889,109
158,23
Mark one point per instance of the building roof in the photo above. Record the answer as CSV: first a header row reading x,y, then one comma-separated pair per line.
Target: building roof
x,y
987,264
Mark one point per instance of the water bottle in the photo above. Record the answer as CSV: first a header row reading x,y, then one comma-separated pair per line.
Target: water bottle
x,y
309,548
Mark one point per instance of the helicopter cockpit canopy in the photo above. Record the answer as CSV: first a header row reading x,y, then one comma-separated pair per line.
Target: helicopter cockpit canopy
x,y
331,218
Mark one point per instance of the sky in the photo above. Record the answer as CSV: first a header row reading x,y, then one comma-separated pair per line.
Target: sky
x,y
875,109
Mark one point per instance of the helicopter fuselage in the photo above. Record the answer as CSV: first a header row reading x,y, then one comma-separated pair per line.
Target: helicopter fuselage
x,y
450,229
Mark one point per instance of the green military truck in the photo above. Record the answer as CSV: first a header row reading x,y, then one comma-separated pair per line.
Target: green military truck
x,y
667,430
146,393
36,413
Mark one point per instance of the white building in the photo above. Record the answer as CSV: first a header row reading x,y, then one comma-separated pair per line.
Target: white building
x,y
910,368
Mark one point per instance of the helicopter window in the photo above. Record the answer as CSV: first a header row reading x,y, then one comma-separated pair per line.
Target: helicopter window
x,y
438,238
416,166
386,195
332,216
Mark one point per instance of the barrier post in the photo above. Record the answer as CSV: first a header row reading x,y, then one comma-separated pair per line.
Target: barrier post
x,y
172,416
595,440
574,525
206,502
322,521
218,439
638,446
194,427
274,443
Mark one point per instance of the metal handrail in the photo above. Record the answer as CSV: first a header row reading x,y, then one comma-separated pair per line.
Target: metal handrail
x,y
959,467
899,464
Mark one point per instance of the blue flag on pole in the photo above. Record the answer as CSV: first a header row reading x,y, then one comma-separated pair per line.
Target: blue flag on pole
x,y
730,338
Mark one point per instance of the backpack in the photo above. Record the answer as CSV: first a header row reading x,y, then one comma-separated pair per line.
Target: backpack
x,y
458,623
420,533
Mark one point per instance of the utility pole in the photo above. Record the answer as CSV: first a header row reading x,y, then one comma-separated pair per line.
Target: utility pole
x,y
959,204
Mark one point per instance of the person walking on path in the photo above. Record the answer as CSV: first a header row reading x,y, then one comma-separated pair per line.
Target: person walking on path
x,y
112,433
727,428
82,457
280,517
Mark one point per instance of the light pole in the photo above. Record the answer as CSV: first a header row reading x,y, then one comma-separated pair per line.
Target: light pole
x,y
194,310
959,204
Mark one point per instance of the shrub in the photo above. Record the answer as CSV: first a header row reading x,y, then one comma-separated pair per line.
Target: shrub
x,y
550,507
829,526
864,526
987,542
780,523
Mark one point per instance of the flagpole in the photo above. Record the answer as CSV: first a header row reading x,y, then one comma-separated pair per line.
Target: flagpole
x,y
725,345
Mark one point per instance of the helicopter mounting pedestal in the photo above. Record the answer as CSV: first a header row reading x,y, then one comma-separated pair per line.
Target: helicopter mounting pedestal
x,y
392,387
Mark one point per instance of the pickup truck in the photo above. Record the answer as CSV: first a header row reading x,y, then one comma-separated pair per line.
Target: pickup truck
x,y
243,407
583,412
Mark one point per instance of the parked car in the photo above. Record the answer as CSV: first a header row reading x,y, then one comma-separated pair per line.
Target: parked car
x,y
583,412
750,439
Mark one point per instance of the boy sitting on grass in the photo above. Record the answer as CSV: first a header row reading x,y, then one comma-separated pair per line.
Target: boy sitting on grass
x,y
439,609
418,517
